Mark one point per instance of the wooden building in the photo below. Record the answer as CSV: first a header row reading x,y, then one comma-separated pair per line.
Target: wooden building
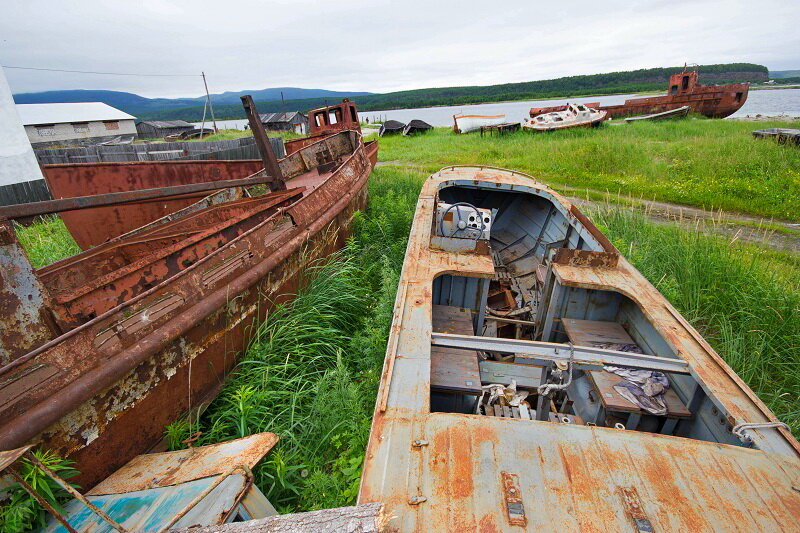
x,y
292,121
74,124
157,129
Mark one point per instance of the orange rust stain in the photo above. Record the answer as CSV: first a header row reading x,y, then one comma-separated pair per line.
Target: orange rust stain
x,y
487,524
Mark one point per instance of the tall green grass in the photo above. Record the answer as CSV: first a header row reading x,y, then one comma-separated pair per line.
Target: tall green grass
x,y
47,241
704,163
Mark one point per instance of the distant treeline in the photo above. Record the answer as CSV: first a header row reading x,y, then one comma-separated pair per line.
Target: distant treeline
x,y
594,84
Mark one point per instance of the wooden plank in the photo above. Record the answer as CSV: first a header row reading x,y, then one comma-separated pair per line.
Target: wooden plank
x,y
507,412
526,376
595,332
497,411
604,382
452,369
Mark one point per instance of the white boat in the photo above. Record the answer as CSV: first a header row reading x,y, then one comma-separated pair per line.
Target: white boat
x,y
574,116
468,123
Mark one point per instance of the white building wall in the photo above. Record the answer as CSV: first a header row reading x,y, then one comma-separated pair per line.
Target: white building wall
x,y
17,162
70,132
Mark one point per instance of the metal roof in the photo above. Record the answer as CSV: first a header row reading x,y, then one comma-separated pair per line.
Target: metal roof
x,y
167,123
73,112
279,117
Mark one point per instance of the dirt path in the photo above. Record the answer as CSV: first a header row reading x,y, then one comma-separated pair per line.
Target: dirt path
x,y
757,230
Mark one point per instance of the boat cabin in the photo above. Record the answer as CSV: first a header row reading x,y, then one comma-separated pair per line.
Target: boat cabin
x,y
533,377
334,118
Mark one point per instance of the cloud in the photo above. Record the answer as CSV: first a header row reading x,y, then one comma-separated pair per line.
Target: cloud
x,y
378,45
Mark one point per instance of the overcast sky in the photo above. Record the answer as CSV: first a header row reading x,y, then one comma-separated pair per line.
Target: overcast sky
x,y
377,45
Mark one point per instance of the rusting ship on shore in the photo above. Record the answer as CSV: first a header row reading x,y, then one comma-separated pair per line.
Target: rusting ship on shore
x,y
712,101
534,380
104,349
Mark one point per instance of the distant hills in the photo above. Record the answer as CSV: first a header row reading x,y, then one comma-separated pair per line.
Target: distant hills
x,y
142,107
228,105
780,74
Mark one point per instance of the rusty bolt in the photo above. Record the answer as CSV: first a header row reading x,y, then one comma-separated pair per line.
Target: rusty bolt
x,y
416,500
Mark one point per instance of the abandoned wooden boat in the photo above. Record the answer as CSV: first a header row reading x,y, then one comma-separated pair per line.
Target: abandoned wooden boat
x,y
391,127
681,112
574,116
416,126
510,397
468,123
779,135
102,350
712,101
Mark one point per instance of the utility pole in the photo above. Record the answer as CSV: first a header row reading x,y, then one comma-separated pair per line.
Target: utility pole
x,y
211,107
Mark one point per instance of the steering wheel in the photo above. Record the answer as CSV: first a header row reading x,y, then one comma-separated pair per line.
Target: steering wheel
x,y
462,224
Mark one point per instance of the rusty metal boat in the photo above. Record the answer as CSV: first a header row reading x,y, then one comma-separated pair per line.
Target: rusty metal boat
x,y
713,101
534,380
102,350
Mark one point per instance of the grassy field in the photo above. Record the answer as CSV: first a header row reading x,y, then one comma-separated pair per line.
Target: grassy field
x,y
704,163
311,372
227,135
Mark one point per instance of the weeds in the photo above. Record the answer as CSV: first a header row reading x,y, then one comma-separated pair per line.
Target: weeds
x,y
47,241
23,513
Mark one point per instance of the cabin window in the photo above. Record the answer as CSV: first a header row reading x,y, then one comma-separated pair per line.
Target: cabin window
x,y
80,127
353,114
685,83
673,89
739,97
111,124
318,119
46,130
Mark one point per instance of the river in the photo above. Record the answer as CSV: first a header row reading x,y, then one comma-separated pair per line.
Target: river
x,y
767,102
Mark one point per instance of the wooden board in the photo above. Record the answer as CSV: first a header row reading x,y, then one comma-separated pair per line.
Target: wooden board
x,y
604,382
595,332
527,376
452,369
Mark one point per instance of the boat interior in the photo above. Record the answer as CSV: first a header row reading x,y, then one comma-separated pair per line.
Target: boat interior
x,y
528,345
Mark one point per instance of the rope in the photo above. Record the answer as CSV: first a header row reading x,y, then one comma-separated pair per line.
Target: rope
x,y
739,429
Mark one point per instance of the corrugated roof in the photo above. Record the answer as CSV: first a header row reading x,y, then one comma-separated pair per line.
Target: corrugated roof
x,y
72,112
278,117
167,123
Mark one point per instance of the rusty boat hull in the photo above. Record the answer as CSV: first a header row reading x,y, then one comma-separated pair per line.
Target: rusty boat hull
x,y
499,406
712,101
146,327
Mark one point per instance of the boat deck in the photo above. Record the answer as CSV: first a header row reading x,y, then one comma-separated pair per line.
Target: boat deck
x,y
470,472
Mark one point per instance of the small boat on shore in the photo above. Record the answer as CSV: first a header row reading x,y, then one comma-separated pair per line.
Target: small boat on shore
x,y
574,116
779,135
469,123
101,351
534,380
681,112
391,127
416,126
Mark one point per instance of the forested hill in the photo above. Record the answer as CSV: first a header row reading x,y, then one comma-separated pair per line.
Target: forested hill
x,y
594,84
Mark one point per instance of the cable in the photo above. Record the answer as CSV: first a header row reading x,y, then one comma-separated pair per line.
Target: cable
x,y
105,73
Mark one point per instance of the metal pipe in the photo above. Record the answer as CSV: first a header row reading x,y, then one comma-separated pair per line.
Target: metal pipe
x,y
75,494
262,142
117,198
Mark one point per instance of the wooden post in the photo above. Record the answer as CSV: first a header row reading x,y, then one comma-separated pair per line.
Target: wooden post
x,y
263,144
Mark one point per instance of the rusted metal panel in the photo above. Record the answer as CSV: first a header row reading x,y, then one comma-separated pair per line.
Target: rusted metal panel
x,y
125,197
588,258
155,470
127,372
24,318
564,476
95,226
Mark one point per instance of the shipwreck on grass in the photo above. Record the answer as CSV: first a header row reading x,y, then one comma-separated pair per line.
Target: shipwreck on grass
x,y
534,380
101,351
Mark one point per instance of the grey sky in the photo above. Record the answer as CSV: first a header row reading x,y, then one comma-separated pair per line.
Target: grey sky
x,y
377,45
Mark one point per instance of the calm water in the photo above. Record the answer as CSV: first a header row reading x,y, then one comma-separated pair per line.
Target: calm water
x,y
769,102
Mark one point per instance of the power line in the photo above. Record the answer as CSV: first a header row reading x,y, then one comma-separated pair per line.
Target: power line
x,y
104,73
